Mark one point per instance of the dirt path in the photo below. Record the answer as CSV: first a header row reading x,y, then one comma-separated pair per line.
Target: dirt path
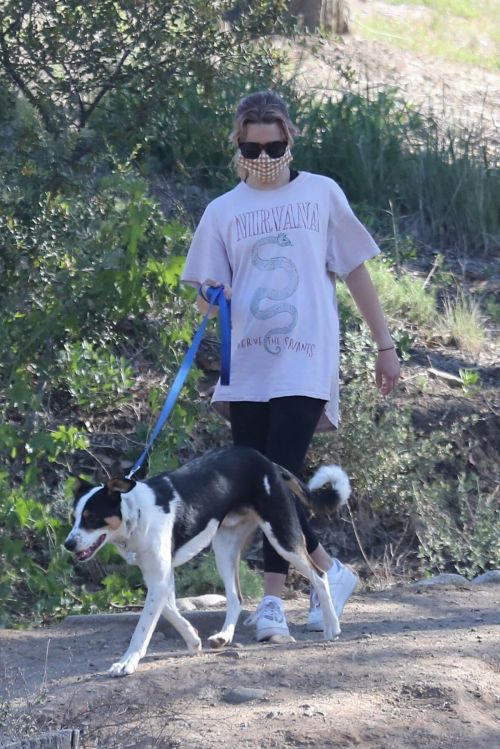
x,y
414,667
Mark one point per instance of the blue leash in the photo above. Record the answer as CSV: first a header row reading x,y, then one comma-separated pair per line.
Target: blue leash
x,y
216,297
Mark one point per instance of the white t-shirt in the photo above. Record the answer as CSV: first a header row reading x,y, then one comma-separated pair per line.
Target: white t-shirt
x,y
280,251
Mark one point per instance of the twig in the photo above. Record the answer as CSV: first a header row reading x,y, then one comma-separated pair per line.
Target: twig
x,y
94,457
449,378
359,541
126,607
44,678
75,597
489,406
435,266
412,377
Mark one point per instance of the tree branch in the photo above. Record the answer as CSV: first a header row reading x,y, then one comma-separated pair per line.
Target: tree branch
x,y
50,123
107,87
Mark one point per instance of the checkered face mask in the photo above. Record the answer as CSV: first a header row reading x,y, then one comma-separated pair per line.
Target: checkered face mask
x,y
264,168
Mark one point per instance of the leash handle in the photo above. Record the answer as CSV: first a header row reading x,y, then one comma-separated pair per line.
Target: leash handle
x,y
216,297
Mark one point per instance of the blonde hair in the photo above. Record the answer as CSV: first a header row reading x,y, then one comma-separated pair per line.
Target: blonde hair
x,y
261,107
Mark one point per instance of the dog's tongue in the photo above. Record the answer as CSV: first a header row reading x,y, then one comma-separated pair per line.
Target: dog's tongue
x,y
81,555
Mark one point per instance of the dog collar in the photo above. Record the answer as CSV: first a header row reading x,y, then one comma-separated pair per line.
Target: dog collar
x,y
129,556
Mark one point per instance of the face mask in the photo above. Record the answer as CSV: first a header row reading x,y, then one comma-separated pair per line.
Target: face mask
x,y
265,169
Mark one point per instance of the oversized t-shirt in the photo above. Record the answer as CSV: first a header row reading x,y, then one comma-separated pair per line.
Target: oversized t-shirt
x,y
280,251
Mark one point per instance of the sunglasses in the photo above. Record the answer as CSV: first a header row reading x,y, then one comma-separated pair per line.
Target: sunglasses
x,y
275,149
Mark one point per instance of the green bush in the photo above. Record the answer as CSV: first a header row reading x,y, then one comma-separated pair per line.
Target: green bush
x,y
94,378
90,304
90,297
458,528
49,51
35,575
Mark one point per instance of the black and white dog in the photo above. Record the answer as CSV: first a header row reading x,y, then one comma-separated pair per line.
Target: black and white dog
x,y
220,498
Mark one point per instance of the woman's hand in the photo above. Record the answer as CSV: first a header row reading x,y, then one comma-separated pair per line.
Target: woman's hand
x,y
387,371
201,301
215,284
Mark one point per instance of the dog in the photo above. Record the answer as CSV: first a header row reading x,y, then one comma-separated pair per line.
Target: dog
x,y
219,498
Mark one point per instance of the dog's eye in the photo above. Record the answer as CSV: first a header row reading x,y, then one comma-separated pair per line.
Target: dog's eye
x,y
91,519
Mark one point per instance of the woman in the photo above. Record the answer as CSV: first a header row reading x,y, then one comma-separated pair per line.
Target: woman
x,y
276,242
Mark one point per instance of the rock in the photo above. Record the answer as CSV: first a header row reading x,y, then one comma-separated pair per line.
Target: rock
x,y
492,576
281,639
444,579
243,694
229,654
185,604
208,601
206,693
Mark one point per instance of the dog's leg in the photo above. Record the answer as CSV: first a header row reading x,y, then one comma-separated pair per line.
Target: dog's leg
x,y
300,559
322,588
183,627
158,593
227,545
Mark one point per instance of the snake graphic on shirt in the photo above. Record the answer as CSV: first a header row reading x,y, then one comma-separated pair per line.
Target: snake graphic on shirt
x,y
278,295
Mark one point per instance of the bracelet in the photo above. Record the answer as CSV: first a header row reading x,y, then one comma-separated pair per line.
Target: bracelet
x,y
389,348
203,296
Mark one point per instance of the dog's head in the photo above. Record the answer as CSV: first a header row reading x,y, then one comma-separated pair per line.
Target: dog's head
x,y
96,517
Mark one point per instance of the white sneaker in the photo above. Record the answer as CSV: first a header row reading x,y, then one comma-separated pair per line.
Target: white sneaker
x,y
269,619
342,583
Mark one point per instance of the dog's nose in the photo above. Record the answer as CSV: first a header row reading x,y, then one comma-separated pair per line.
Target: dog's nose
x,y
70,544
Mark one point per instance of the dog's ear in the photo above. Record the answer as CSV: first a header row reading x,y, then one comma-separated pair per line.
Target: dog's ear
x,y
120,485
142,472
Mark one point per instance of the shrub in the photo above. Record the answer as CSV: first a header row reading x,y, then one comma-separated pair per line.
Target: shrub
x,y
49,52
405,492
80,271
35,576
458,529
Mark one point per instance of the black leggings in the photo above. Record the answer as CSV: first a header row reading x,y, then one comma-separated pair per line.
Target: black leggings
x,y
281,429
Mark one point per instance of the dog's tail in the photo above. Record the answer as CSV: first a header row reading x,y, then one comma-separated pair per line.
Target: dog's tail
x,y
327,491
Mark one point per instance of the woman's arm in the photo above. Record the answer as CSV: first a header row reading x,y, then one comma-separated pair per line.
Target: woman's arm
x,y
363,292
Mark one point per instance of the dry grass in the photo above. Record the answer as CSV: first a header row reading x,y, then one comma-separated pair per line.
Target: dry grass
x,y
463,323
463,31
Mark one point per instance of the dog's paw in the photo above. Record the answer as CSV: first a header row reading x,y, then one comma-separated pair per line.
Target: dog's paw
x,y
126,666
219,641
194,648
331,634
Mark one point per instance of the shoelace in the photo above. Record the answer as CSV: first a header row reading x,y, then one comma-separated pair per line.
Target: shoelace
x,y
269,609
